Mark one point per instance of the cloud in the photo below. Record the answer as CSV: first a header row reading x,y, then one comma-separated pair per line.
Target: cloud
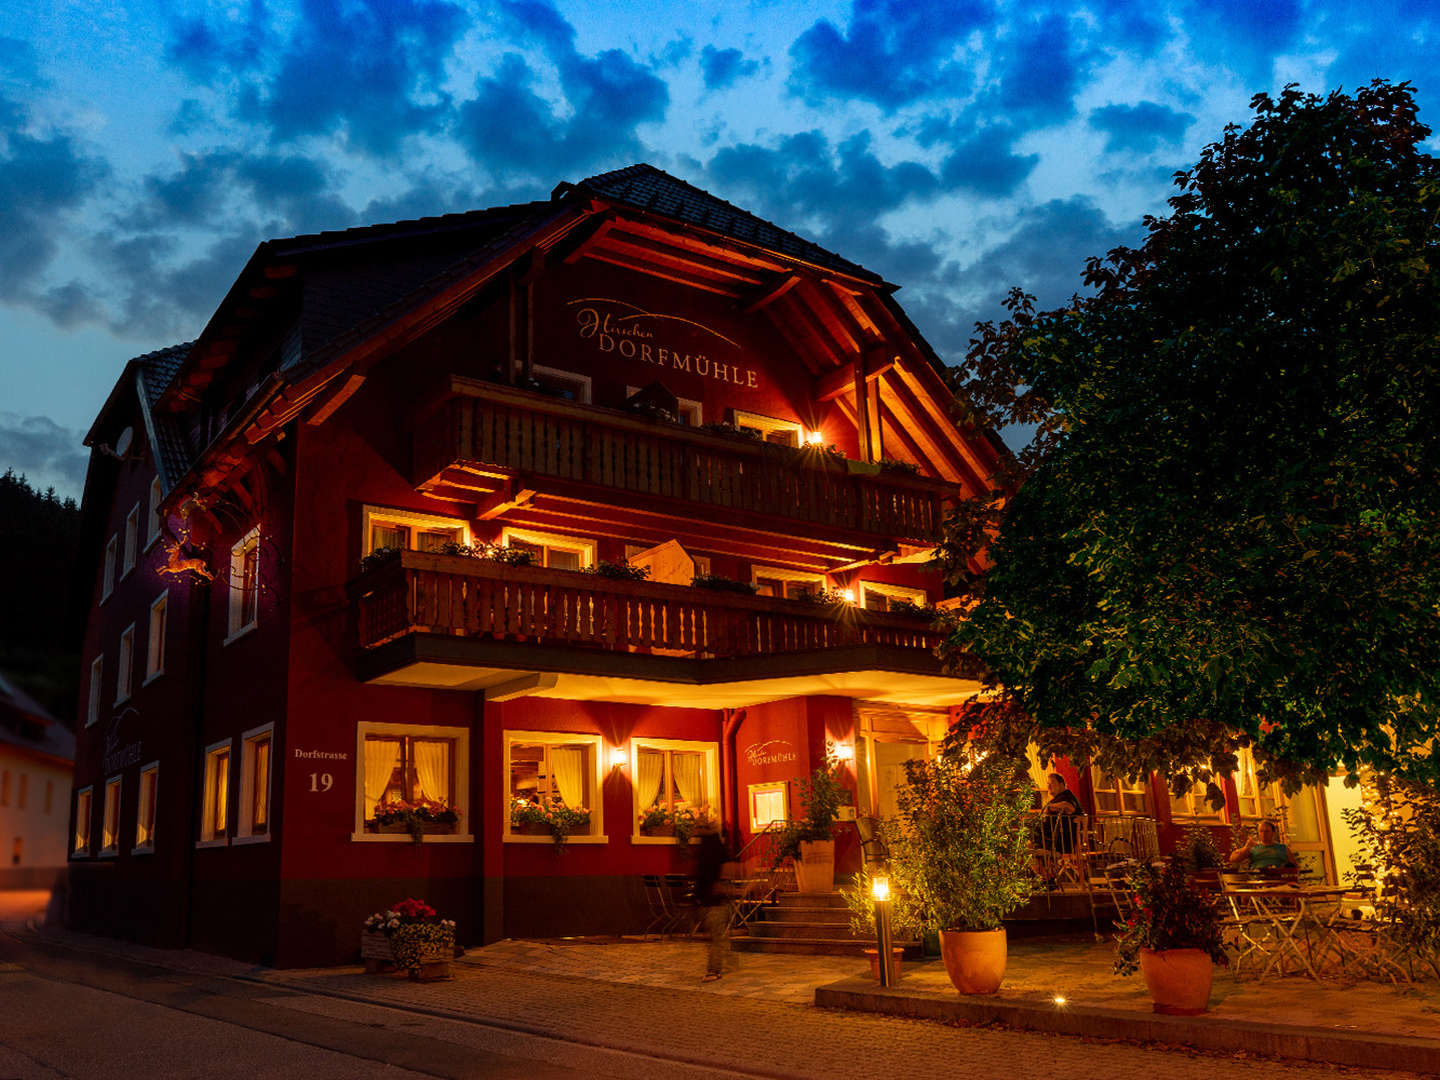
x,y
893,52
675,52
986,163
371,71
19,62
1242,35
509,129
213,185
1040,69
40,449
1140,128
721,67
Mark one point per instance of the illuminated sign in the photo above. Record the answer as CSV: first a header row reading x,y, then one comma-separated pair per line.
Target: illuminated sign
x,y
619,327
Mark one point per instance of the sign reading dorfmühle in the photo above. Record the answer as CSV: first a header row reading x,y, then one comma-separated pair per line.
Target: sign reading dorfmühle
x,y
652,337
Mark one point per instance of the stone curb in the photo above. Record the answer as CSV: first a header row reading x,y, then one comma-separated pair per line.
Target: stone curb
x,y
1401,1053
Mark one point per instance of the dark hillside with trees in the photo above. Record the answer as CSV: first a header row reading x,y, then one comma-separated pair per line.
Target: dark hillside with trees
x,y
38,537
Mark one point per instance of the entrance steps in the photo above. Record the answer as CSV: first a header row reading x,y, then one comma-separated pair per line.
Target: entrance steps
x,y
812,924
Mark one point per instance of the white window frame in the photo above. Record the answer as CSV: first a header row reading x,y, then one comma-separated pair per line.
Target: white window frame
x,y
125,666
81,837
244,823
147,845
1120,788
236,607
584,381
373,515
598,764
460,797
207,794
97,687
712,779
132,540
107,582
768,424
769,787
155,664
152,525
108,826
779,573
918,597
586,548
684,404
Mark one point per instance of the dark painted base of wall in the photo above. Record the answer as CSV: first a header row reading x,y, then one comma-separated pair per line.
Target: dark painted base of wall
x,y
30,877
574,906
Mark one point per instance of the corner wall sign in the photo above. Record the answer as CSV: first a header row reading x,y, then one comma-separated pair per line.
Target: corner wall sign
x,y
618,326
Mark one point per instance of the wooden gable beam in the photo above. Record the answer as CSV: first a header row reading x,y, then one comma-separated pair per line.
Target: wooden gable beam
x,y
914,382
832,384
665,275
694,243
933,446
648,254
574,247
811,301
852,305
771,295
795,315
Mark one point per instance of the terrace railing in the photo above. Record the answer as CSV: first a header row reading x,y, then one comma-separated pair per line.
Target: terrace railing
x,y
418,592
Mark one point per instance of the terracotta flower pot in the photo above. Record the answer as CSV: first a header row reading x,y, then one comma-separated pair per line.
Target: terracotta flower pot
x,y
815,868
1178,980
896,955
975,959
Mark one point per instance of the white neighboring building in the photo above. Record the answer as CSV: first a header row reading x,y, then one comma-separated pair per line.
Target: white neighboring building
x,y
36,761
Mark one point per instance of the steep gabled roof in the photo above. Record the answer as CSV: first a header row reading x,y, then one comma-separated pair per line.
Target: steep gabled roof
x,y
25,723
645,187
172,449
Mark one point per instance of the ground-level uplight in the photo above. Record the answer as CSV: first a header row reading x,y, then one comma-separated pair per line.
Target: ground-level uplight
x,y
880,894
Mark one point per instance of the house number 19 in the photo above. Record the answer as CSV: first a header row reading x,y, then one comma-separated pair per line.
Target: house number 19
x,y
321,781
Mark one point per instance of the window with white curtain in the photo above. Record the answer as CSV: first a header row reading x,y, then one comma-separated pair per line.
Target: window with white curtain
x,y
215,807
408,775
547,770
674,776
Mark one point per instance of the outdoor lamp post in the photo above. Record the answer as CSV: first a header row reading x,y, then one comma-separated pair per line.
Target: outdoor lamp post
x,y
880,894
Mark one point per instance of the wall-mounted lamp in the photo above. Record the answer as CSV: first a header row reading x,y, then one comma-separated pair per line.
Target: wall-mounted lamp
x,y
619,757
814,438
848,595
845,751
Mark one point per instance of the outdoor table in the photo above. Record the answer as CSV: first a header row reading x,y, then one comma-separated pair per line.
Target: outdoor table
x,y
1295,912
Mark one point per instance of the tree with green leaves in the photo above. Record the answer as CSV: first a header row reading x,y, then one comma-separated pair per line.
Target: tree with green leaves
x,y
1226,529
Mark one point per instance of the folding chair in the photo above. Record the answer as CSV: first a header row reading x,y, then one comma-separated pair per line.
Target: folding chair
x,y
657,899
685,913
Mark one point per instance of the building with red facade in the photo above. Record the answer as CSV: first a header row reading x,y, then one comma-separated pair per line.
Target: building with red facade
x,y
310,612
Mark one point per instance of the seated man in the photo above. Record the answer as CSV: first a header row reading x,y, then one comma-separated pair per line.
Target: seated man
x,y
1265,852
1057,831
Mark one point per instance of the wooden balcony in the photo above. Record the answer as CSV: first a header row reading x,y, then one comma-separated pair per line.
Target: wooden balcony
x,y
456,596
484,435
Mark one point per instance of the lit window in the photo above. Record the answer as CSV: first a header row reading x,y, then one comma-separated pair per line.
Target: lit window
x,y
110,831
125,673
255,783
879,596
155,652
550,550
414,532
107,584
154,519
1115,795
214,820
145,809
132,538
787,584
1192,804
562,384
770,429
769,803
1256,800
244,584
97,675
551,772
674,778
411,778
80,841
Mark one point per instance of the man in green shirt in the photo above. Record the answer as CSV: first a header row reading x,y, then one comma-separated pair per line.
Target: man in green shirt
x,y
1265,852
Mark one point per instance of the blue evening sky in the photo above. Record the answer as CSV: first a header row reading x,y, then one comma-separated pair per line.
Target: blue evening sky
x,y
956,148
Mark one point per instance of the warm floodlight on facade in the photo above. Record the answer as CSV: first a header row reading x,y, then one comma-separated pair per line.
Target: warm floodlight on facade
x,y
848,595
619,758
814,438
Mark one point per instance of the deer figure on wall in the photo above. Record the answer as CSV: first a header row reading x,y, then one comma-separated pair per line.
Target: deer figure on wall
x,y
177,561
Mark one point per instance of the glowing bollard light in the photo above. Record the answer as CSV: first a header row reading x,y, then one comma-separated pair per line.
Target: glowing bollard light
x,y
880,894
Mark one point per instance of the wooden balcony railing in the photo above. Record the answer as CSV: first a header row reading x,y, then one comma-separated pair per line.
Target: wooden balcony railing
x,y
487,426
417,592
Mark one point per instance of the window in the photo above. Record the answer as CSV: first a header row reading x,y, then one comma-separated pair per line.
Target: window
x,y
789,584
768,804
548,771
107,583
110,831
674,777
770,429
125,673
155,651
132,538
154,519
80,842
1114,795
244,584
878,596
214,819
1193,803
555,552
255,745
1256,800
687,410
562,384
97,675
409,777
145,808
416,532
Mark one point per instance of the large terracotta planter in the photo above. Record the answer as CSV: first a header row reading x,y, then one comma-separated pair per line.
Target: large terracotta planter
x,y
1178,980
815,868
975,959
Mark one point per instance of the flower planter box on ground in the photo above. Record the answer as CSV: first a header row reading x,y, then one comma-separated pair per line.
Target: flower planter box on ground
x,y
377,954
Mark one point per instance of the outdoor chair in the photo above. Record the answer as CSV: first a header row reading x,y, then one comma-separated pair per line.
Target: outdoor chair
x,y
685,912
657,900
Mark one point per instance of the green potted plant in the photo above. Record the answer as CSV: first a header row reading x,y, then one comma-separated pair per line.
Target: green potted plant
x,y
410,936
810,839
962,857
537,819
1172,937
1201,853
